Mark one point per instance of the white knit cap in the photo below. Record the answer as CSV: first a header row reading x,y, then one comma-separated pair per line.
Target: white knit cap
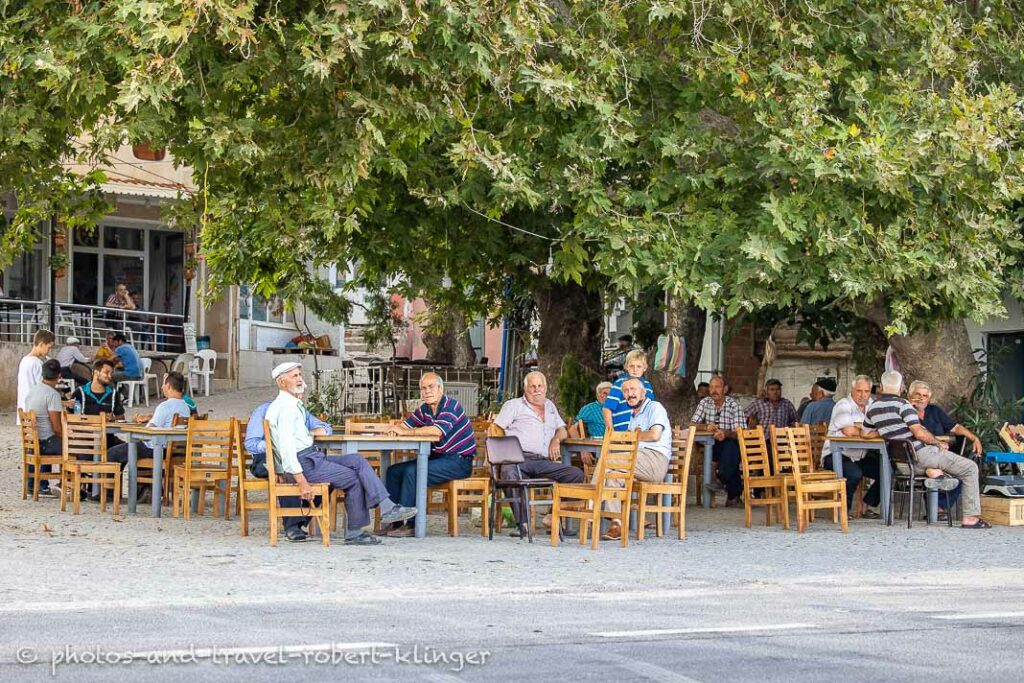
x,y
283,368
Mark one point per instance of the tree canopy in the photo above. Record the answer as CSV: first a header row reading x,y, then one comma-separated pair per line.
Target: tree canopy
x,y
742,153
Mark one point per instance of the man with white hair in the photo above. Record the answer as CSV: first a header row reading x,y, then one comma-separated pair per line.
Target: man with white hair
x,y
296,458
822,402
534,420
69,355
846,420
591,414
893,417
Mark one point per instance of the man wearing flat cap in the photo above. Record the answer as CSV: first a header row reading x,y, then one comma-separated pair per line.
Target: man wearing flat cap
x,y
822,402
771,408
297,458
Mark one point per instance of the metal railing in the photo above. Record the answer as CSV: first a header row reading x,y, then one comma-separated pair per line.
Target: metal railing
x,y
19,320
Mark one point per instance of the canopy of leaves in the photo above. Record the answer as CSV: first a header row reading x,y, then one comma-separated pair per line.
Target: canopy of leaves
x,y
743,153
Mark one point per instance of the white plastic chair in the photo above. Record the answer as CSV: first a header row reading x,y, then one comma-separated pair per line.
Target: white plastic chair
x,y
147,377
203,366
140,384
183,366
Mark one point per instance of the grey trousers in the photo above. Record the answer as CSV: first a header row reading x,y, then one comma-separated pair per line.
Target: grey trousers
x,y
651,466
958,467
351,473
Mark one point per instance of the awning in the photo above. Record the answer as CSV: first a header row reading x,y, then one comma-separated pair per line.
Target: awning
x,y
133,187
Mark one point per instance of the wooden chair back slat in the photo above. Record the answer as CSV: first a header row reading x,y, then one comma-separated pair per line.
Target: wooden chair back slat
x,y
754,455
617,463
29,428
792,449
84,435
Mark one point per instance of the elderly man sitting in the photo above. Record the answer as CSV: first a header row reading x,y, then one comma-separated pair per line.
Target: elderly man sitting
x,y
535,421
295,457
591,415
822,404
723,416
846,420
451,456
650,418
893,417
771,409
939,423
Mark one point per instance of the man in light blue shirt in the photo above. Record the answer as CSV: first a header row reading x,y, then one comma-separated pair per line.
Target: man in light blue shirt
x,y
650,418
163,418
297,459
131,363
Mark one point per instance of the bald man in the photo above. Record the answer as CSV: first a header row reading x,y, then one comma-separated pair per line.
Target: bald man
x,y
442,418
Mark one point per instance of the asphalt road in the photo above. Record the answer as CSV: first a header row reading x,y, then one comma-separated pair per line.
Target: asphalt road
x,y
740,633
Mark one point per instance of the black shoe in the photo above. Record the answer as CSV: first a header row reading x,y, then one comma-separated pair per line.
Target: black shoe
x,y
296,535
145,495
363,539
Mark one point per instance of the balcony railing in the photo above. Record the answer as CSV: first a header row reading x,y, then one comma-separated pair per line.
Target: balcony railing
x,y
163,332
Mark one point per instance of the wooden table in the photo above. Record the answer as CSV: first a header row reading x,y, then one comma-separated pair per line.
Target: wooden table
x,y
135,434
387,444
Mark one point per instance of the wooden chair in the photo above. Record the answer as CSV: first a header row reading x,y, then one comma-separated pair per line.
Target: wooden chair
x,y
32,457
757,475
474,491
86,435
811,490
617,464
819,435
209,451
247,484
679,468
319,514
577,430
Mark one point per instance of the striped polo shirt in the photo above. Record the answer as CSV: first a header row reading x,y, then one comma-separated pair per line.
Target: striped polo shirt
x,y
456,432
892,417
616,403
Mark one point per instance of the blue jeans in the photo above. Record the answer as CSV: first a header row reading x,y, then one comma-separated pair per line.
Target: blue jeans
x,y
401,478
727,454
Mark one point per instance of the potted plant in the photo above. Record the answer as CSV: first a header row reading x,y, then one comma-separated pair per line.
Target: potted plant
x,y
59,239
190,267
59,263
147,153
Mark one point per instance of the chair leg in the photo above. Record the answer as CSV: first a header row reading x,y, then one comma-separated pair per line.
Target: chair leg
x,y
624,523
524,498
491,507
910,511
641,518
784,509
117,494
556,519
243,512
453,509
843,513
76,501
484,521
748,516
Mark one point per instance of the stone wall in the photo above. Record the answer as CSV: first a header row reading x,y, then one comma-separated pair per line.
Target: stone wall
x,y
10,357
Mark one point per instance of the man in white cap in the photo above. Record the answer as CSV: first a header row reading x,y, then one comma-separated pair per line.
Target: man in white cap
x,y
296,457
70,354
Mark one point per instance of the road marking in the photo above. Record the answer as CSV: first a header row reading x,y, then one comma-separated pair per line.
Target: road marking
x,y
978,615
697,631
646,669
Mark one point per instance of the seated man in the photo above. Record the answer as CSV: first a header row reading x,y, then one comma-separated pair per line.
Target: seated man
x,y
652,457
44,400
723,416
591,414
846,420
163,418
822,404
616,413
535,421
939,423
73,363
771,410
451,455
98,396
892,417
127,357
256,445
703,391
296,458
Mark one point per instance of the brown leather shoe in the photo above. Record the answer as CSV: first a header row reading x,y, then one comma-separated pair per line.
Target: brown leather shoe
x,y
614,533
401,532
732,502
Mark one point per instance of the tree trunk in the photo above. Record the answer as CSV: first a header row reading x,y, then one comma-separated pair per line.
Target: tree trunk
x,y
941,357
678,394
571,322
447,338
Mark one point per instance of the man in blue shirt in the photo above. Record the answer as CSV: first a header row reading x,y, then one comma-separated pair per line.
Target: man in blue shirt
x,y
256,445
591,414
128,357
616,411
822,402
163,418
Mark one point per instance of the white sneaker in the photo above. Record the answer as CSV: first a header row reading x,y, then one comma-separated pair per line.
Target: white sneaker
x,y
943,483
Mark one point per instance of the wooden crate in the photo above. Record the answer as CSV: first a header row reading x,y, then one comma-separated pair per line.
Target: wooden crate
x,y
1003,511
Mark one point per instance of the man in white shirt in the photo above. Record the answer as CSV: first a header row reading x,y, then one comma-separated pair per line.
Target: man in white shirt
x,y
70,354
297,458
847,418
30,370
650,419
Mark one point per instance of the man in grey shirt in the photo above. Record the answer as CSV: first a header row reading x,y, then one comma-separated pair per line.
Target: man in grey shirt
x,y
44,400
